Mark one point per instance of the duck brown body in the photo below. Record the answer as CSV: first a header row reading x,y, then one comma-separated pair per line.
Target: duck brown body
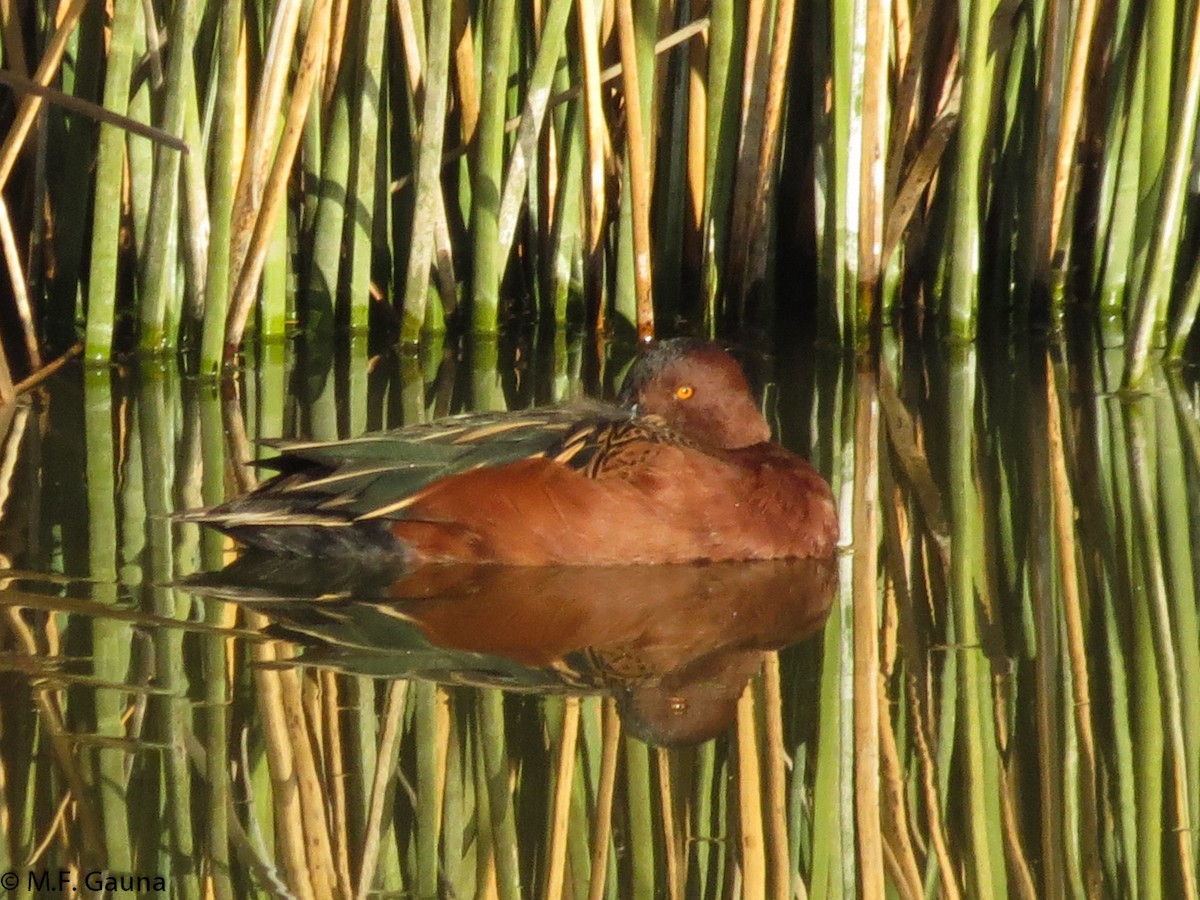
x,y
682,470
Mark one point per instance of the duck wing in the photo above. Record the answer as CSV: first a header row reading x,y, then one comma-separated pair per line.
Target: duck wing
x,y
322,487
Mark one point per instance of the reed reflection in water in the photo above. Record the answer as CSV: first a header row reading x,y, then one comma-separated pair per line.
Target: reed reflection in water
x,y
1004,701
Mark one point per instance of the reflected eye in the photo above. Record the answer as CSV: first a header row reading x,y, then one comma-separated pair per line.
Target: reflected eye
x,y
684,391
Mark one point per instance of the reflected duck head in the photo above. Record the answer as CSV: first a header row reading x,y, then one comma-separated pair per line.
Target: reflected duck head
x,y
699,390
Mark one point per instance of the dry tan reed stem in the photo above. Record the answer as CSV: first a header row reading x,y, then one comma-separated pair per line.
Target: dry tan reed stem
x,y
697,134
278,741
597,136
560,818
259,150
1064,526
768,155
249,263
639,171
929,789
1068,134
866,639
901,858
50,710
338,17
389,741
750,145
335,766
441,726
1016,858
12,257
777,837
602,824
464,67
671,845
749,784
319,855
31,105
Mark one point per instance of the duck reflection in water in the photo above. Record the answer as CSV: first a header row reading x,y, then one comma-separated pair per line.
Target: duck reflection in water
x,y
675,645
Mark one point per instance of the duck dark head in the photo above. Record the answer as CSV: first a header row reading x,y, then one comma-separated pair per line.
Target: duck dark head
x,y
699,390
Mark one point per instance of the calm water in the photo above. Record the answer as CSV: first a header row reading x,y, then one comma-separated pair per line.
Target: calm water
x,y
994,690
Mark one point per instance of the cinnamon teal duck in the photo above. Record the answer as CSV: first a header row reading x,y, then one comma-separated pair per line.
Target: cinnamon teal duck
x,y
680,469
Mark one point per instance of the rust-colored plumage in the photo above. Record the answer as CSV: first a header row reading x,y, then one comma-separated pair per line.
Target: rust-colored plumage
x,y
682,470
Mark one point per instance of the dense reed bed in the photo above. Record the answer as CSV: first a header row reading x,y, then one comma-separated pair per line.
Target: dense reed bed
x,y
406,166
1004,702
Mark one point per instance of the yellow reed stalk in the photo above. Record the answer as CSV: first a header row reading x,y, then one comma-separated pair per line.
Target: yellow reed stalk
x,y
12,257
602,824
441,723
902,859
874,145
671,846
319,852
1022,876
338,17
639,171
768,154
749,783
560,818
1068,133
866,640
335,757
278,742
464,67
777,837
697,133
257,155
248,263
597,136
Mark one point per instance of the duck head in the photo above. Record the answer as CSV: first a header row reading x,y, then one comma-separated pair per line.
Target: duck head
x,y
699,390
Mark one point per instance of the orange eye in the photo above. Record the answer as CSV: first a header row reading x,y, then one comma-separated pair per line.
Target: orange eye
x,y
684,391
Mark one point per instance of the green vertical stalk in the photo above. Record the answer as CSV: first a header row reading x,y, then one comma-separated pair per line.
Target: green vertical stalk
x,y
429,171
219,281
1122,163
491,724
1157,39
333,204
489,166
639,795
424,697
110,176
726,32
158,259
1178,531
362,224
972,139
139,150
965,561
1151,312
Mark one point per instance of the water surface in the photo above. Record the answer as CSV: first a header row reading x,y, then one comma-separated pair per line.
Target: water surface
x,y
1005,699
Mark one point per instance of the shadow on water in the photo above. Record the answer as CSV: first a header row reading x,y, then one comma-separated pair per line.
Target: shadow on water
x,y
1005,700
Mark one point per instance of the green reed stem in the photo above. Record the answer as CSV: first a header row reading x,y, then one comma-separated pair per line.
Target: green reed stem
x,y
158,262
110,177
964,246
429,166
219,278
1176,165
491,733
489,167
